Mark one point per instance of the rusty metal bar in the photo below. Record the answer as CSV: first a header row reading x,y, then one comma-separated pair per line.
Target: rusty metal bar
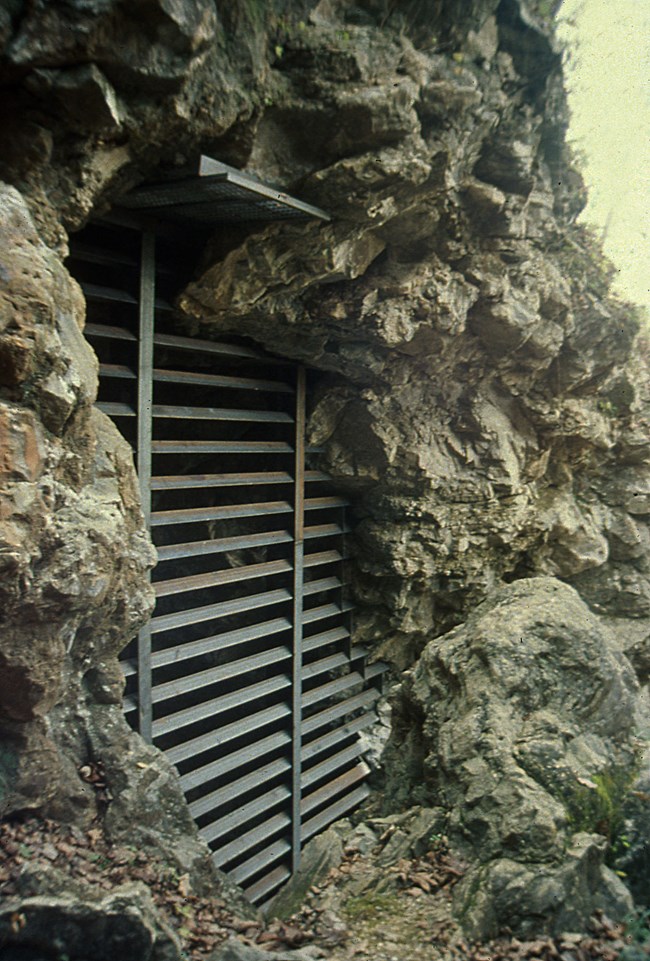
x,y
195,582
239,786
236,759
220,447
248,840
335,811
359,702
209,612
224,825
298,586
340,784
221,414
231,671
221,544
219,705
145,402
221,642
205,742
220,380
182,481
267,885
193,515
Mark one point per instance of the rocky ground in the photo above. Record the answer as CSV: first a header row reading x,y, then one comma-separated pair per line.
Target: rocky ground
x,y
373,906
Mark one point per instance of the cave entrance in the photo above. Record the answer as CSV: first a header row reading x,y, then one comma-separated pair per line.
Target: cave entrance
x,y
246,676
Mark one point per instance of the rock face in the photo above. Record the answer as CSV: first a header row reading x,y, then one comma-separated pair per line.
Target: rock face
x,y
521,723
123,924
481,399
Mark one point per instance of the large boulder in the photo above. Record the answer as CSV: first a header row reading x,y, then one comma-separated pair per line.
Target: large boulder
x,y
123,924
521,723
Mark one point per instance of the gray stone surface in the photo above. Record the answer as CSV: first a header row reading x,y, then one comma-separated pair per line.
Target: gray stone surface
x,y
319,856
522,724
234,950
123,924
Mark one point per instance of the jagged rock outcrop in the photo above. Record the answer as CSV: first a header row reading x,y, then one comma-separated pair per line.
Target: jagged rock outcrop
x,y
482,398
522,724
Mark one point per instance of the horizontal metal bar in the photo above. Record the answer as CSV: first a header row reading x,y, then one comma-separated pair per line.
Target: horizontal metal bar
x,y
195,582
325,530
97,292
220,380
254,779
361,701
320,585
117,370
109,332
333,788
220,544
129,704
211,611
324,638
324,611
376,670
332,763
267,885
334,812
220,447
204,742
315,476
116,410
327,741
331,688
216,675
320,503
194,515
322,557
219,705
230,762
90,254
129,668
248,840
247,869
231,822
330,663
214,347
182,481
221,414
218,642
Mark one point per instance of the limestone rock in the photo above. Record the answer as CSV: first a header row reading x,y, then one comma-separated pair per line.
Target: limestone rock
x,y
319,856
234,950
530,898
512,721
122,924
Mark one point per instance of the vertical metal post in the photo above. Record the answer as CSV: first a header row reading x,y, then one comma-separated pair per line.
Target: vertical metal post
x,y
145,401
298,580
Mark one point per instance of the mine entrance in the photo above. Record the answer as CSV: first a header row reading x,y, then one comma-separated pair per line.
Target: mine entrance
x,y
246,675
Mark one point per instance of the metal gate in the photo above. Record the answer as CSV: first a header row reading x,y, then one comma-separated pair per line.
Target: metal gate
x,y
246,676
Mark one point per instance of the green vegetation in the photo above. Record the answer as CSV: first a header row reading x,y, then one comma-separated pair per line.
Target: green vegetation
x,y
598,806
371,906
637,934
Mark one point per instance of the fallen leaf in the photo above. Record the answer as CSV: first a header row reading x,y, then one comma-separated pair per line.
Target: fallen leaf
x,y
184,886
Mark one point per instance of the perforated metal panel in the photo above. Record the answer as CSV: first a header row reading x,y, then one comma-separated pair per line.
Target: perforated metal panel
x,y
246,676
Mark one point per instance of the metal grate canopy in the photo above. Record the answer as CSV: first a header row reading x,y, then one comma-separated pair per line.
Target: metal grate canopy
x,y
218,194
